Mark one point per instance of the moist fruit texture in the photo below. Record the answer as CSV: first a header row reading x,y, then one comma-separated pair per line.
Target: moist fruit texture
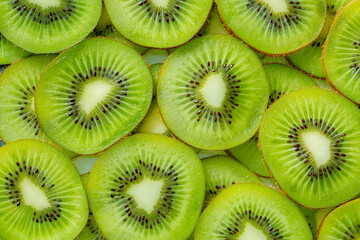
x,y
252,211
274,27
9,53
47,26
341,56
155,72
147,186
223,171
153,56
342,222
309,59
309,140
212,92
92,95
214,24
158,23
84,163
41,194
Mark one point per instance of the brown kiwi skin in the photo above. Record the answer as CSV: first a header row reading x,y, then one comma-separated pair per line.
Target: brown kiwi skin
x,y
152,89
306,73
264,53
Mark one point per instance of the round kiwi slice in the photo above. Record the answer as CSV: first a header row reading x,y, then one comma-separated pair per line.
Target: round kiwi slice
x,y
223,171
212,92
252,211
155,72
309,140
41,194
274,27
92,95
147,186
158,23
9,53
47,26
309,59
105,28
342,222
341,55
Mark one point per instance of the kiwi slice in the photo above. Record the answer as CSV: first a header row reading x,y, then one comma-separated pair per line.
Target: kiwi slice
x,y
309,59
91,95
341,56
223,171
249,154
47,26
274,27
206,154
158,23
342,222
9,53
41,194
309,140
214,24
323,84
271,60
212,92
147,186
155,72
105,28
270,182
153,56
252,211
310,218
84,163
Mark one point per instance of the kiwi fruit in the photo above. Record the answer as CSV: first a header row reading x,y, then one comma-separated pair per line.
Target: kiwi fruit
x,y
309,140
270,182
212,92
155,72
341,56
223,171
158,23
274,27
41,194
342,222
214,24
271,60
92,95
9,53
252,211
47,26
147,186
153,56
309,215
323,84
105,28
84,163
206,154
309,59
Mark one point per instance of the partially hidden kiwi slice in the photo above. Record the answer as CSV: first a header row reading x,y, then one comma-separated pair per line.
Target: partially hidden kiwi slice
x,y
90,96
341,55
342,222
214,24
41,26
105,28
155,72
10,53
147,186
309,140
274,27
153,56
158,23
41,194
84,163
212,92
223,171
309,59
206,153
252,211
271,60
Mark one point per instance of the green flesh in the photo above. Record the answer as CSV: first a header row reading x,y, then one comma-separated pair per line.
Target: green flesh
x,y
17,113
214,24
155,72
44,26
205,153
84,163
270,182
9,53
342,223
320,214
342,54
147,186
206,91
252,211
92,95
153,56
272,60
323,84
309,140
310,215
274,27
105,28
167,23
41,194
249,154
221,172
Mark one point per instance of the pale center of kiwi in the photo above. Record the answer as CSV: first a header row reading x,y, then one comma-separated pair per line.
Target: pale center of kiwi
x,y
277,6
32,104
251,232
146,193
33,195
160,3
319,145
94,93
46,3
214,90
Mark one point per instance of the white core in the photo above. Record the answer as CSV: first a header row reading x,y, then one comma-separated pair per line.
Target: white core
x,y
33,195
319,146
214,90
277,6
46,3
251,233
160,3
94,93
